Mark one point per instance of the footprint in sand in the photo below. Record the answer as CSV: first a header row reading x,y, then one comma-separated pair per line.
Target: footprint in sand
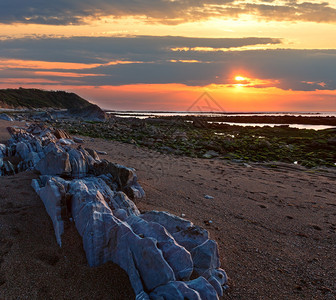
x,y
316,227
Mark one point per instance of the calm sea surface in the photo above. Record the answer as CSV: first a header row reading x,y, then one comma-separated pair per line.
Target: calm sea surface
x,y
149,114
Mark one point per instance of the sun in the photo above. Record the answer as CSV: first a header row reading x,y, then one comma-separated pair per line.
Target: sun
x,y
240,78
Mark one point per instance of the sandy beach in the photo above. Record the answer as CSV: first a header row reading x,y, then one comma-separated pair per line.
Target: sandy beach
x,y
275,227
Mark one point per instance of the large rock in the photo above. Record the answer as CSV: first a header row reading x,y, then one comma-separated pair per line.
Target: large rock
x,y
66,142
44,116
78,140
61,134
6,117
93,153
218,280
204,288
178,258
197,289
3,150
52,193
29,144
53,157
107,238
205,257
55,163
23,149
30,161
113,229
184,232
121,201
125,178
10,169
175,290
6,167
79,164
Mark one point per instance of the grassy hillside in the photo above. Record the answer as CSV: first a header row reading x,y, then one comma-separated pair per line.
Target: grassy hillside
x,y
34,98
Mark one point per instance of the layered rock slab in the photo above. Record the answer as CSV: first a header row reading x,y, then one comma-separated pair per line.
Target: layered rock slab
x,y
113,229
43,149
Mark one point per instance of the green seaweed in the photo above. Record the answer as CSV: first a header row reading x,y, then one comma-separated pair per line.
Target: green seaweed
x,y
309,148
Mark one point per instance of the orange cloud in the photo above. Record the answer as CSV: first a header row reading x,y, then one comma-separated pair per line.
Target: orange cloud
x,y
19,81
64,74
45,65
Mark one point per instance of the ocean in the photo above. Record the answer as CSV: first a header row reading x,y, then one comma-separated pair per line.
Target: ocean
x,y
151,114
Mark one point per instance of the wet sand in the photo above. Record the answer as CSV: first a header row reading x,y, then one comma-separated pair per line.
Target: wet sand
x,y
276,228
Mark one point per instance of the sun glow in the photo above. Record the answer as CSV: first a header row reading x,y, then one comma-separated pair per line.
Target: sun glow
x,y
241,81
240,78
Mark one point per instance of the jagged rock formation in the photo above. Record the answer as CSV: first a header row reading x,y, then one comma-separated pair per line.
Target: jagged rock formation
x,y
166,257
6,117
159,251
6,167
44,149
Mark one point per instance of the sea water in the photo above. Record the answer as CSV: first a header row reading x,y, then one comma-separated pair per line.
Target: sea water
x,y
151,114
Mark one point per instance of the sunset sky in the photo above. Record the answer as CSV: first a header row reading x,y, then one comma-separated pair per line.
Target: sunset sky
x,y
164,54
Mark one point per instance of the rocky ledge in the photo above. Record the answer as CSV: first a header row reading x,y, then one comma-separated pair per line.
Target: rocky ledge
x,y
166,257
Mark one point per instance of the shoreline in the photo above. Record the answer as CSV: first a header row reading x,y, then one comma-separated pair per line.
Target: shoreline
x,y
246,118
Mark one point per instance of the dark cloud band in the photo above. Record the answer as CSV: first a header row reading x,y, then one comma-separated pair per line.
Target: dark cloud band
x,y
106,49
63,12
150,59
